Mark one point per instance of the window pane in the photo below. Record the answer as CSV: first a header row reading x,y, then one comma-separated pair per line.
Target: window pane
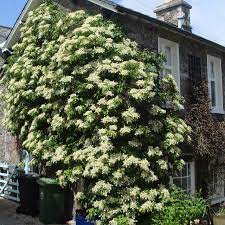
x,y
177,174
168,56
212,70
213,93
194,67
184,170
168,72
189,192
182,178
184,183
189,183
177,182
189,169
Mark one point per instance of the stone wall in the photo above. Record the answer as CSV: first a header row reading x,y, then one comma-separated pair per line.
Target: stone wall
x,y
4,32
169,16
8,143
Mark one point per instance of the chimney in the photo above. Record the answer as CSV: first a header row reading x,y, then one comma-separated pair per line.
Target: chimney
x,y
176,12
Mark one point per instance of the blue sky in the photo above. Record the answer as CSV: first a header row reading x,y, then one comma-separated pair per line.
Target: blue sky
x,y
10,10
208,17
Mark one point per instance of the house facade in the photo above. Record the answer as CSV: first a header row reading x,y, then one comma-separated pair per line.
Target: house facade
x,y
8,143
188,56
4,32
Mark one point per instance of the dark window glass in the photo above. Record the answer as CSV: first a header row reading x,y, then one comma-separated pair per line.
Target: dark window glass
x,y
194,67
177,182
184,183
213,93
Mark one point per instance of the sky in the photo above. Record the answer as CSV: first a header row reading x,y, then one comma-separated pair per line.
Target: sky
x,y
10,10
207,17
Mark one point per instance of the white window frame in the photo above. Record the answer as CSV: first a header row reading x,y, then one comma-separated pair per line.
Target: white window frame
x,y
175,59
218,188
192,187
218,108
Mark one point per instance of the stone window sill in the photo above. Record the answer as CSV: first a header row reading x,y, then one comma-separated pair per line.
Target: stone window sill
x,y
218,111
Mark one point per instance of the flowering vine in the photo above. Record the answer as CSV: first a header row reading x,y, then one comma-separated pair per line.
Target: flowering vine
x,y
85,100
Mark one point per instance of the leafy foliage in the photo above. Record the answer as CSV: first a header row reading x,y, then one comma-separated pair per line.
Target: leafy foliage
x,y
221,211
180,209
87,103
208,136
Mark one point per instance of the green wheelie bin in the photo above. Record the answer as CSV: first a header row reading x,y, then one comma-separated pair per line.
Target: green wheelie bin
x,y
51,202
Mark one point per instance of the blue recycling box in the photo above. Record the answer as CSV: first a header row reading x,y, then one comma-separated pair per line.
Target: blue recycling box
x,y
82,221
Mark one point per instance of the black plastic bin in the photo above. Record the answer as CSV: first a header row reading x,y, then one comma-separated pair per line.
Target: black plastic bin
x,y
52,202
29,194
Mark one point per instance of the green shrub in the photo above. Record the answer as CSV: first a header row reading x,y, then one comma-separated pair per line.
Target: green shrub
x,y
88,104
221,211
180,209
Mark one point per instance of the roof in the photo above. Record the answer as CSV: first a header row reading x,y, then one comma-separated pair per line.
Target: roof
x,y
4,32
5,27
112,6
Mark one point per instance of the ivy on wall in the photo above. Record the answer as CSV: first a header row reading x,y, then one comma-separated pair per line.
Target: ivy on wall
x,y
208,136
85,101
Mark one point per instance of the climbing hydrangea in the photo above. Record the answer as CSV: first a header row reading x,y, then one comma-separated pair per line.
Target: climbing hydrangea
x,y
87,103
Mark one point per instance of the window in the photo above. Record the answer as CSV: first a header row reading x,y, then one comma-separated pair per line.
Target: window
x,y
216,185
171,51
168,64
215,84
185,178
194,67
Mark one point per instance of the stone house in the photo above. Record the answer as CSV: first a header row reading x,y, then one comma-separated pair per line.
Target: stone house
x,y
8,143
187,56
4,32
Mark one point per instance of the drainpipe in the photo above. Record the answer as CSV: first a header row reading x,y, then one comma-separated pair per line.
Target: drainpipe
x,y
26,159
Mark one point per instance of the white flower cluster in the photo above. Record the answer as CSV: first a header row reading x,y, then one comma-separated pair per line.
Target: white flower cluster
x,y
130,115
82,95
57,122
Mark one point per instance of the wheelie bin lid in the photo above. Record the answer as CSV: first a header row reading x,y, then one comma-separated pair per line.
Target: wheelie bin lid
x,y
47,181
29,176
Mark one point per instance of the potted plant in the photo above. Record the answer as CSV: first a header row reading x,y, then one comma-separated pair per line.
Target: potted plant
x,y
199,222
219,217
